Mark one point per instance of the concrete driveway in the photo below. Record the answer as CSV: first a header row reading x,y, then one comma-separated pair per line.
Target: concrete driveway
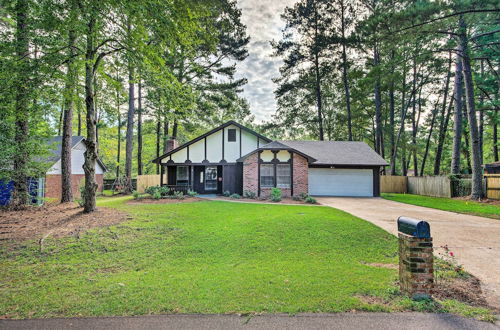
x,y
475,241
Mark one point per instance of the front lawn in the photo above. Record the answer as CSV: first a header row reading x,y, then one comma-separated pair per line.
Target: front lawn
x,y
448,204
207,257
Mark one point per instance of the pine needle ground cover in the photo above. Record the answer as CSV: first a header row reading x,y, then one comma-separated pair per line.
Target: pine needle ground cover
x,y
488,210
205,257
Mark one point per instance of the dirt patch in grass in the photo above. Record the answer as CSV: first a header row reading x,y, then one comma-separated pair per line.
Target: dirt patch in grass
x,y
149,200
388,266
466,289
55,220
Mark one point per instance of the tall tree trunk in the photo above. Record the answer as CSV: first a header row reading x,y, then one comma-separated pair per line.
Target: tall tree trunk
x,y
69,97
477,186
119,137
457,117
79,107
319,103
391,119
495,140
61,119
345,74
402,126
481,119
414,120
443,125
166,137
139,131
378,105
158,135
174,129
89,204
428,142
21,155
130,130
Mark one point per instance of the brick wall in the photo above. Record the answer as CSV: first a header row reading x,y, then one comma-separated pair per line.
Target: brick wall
x,y
416,270
300,175
251,173
251,179
53,184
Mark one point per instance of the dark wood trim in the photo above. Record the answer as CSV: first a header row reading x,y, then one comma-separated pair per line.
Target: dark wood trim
x,y
240,141
205,149
223,142
203,163
258,142
199,138
191,176
187,158
376,182
291,173
162,172
258,173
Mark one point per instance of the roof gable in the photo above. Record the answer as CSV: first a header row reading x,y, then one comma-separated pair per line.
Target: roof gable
x,y
55,146
212,131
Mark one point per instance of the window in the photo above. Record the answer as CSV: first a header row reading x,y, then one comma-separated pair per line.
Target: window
x,y
283,176
231,135
266,175
182,176
211,178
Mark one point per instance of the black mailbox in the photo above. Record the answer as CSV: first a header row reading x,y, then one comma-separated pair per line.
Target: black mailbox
x,y
414,227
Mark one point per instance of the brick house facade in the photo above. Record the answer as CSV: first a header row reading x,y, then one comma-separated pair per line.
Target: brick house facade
x,y
299,176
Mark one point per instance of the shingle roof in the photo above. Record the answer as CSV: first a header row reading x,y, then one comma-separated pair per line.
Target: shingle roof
x,y
54,145
338,152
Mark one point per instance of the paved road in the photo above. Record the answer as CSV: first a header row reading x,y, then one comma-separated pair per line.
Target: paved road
x,y
475,241
396,321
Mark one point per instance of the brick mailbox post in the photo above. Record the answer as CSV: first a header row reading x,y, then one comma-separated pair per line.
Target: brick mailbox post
x,y
416,269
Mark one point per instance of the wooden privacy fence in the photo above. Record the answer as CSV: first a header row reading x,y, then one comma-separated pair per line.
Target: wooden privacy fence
x,y
144,181
492,186
436,186
393,184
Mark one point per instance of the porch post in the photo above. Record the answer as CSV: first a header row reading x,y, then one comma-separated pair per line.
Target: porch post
x,y
191,179
162,172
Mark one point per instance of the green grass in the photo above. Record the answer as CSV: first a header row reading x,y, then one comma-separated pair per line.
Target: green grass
x,y
203,257
448,204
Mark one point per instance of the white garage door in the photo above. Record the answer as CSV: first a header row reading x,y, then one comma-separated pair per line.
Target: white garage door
x,y
340,182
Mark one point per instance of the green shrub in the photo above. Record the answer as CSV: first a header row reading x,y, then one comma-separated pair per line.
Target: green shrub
x,y
192,193
178,195
235,196
226,193
156,194
164,191
310,200
275,195
297,198
151,190
136,194
249,194
81,200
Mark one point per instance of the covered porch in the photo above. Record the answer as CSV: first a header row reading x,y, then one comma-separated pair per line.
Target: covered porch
x,y
203,179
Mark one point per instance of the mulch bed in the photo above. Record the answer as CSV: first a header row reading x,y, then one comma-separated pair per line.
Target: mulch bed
x,y
249,200
56,220
149,200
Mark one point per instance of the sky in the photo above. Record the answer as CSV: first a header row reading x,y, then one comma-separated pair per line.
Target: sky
x,y
263,21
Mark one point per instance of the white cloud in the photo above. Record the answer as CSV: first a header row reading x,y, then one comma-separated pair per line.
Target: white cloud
x,y
263,21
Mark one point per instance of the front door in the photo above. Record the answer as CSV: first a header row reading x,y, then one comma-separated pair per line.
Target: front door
x,y
207,179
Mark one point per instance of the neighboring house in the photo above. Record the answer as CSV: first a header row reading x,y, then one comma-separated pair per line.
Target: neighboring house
x,y
234,158
53,175
492,168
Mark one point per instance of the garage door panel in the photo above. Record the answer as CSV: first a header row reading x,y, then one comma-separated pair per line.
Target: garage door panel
x,y
340,182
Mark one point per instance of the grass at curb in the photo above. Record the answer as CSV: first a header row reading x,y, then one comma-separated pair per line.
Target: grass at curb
x,y
206,257
448,204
